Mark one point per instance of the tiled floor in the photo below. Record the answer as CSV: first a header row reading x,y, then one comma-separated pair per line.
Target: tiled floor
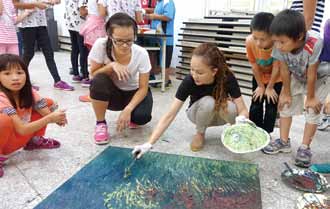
x,y
31,176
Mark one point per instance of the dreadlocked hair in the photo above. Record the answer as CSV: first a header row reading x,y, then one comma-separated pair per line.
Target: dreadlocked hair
x,y
119,19
214,58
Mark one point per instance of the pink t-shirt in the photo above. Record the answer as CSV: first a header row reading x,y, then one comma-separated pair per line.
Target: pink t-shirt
x,y
7,23
24,113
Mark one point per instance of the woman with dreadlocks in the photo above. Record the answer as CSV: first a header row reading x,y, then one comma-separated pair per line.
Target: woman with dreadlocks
x,y
215,97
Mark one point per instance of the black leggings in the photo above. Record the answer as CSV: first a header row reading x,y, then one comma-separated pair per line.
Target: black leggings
x,y
103,89
39,35
78,49
264,117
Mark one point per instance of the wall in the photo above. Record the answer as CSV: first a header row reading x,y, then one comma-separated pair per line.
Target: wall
x,y
186,9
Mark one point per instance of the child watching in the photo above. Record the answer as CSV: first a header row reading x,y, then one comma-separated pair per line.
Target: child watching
x,y
266,85
24,115
298,52
120,71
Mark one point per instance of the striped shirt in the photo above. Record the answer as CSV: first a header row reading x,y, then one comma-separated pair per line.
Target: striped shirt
x,y
7,23
298,6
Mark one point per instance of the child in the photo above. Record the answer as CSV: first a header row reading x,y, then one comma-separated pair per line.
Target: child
x,y
73,20
24,115
215,97
8,20
131,7
298,52
34,30
266,85
93,27
163,16
120,71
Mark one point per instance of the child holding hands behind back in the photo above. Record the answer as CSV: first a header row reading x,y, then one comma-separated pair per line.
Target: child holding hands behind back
x,y
24,115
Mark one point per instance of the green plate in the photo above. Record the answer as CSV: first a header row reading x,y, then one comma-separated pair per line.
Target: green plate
x,y
244,138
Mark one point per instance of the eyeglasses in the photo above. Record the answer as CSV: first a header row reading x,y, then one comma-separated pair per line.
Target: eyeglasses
x,y
121,42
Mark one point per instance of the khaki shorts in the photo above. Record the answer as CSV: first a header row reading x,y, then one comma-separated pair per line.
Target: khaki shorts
x,y
298,92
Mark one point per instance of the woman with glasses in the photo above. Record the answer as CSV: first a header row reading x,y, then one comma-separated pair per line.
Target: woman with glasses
x,y
120,71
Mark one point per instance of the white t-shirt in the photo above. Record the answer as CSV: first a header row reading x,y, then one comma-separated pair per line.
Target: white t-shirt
x,y
139,63
127,6
36,19
92,7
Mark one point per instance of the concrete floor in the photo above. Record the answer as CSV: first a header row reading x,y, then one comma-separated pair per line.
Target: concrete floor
x,y
30,176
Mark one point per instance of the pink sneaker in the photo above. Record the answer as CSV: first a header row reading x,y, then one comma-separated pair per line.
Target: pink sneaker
x,y
61,85
101,134
133,125
86,82
76,79
85,98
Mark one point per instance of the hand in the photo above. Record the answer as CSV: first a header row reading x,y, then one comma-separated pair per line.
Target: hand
x,y
123,120
284,99
58,117
28,12
139,150
149,16
41,5
271,95
258,93
51,2
313,103
120,70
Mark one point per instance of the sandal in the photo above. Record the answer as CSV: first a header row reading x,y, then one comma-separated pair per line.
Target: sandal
x,y
42,143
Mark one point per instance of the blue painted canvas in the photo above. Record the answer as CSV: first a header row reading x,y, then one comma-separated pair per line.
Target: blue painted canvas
x,y
158,181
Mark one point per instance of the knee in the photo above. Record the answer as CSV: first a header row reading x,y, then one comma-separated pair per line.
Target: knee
x,y
6,123
51,104
206,104
311,117
100,85
140,118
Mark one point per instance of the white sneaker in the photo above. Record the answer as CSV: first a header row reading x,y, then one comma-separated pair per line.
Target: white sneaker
x,y
324,124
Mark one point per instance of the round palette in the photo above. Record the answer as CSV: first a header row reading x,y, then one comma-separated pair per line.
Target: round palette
x,y
244,138
305,180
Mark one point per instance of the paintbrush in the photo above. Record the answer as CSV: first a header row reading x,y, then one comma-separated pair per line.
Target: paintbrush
x,y
127,172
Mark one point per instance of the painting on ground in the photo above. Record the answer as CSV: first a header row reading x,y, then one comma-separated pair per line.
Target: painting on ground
x,y
113,180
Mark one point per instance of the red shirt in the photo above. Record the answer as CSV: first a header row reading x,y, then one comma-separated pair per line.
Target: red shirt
x,y
145,4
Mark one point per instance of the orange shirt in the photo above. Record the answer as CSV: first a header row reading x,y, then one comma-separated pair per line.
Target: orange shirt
x,y
263,58
24,113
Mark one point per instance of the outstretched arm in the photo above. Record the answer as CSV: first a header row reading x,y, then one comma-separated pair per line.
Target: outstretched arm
x,y
241,107
161,127
165,121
